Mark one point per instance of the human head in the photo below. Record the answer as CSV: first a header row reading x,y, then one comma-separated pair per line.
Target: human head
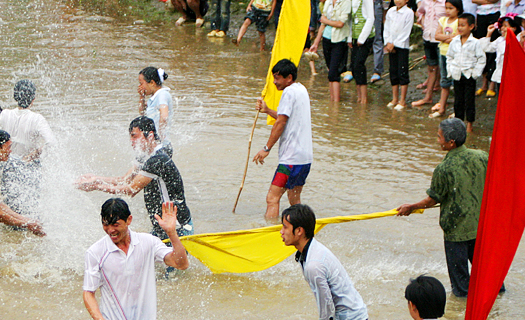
x,y
145,125
458,4
428,296
113,210
509,20
300,215
454,130
152,73
24,93
400,3
5,145
285,68
466,23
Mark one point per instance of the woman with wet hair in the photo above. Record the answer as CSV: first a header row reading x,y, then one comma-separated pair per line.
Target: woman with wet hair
x,y
159,106
29,131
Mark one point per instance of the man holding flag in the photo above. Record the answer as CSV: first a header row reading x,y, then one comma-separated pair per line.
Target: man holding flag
x,y
457,184
293,129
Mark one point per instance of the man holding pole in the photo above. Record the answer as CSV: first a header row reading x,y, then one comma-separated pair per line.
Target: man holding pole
x,y
293,129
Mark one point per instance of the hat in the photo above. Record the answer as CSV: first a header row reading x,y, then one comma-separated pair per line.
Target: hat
x,y
510,15
24,93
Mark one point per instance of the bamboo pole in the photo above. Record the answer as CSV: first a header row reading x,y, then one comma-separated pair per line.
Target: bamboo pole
x,y
247,160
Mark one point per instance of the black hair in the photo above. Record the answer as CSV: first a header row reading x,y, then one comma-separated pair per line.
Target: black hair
x,y
514,23
145,124
471,20
300,215
458,4
113,210
24,93
454,129
285,68
4,137
428,295
152,73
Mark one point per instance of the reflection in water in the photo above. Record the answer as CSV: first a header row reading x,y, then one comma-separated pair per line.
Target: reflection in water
x,y
367,159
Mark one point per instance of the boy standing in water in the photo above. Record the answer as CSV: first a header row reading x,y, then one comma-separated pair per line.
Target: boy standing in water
x,y
465,63
260,12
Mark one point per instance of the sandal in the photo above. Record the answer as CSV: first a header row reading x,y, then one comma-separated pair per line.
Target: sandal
x,y
180,21
436,107
199,22
399,107
480,91
436,115
490,93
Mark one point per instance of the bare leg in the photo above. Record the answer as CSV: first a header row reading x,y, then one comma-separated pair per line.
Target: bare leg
x,y
335,91
445,92
404,90
395,95
362,93
432,72
272,201
294,195
195,7
242,31
262,39
469,126
312,67
180,6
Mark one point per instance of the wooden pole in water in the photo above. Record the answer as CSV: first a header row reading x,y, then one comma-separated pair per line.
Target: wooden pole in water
x,y
247,160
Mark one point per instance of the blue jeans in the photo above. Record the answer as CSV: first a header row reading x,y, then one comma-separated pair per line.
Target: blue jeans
x,y
220,15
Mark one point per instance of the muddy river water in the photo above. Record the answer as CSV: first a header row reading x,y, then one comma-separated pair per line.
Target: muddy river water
x,y
367,159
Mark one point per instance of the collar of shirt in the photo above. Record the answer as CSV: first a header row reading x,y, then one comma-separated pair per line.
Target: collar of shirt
x,y
158,91
455,151
301,256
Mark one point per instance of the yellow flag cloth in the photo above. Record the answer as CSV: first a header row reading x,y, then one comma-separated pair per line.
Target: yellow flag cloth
x,y
255,249
289,44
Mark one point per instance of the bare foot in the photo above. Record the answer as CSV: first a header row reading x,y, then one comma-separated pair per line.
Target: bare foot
x,y
436,107
199,22
180,21
421,102
236,42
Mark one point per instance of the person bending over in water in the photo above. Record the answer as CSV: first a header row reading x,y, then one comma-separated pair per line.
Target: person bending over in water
x,y
156,174
191,9
160,106
12,177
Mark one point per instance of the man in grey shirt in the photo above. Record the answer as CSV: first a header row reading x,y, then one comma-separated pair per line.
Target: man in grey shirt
x,y
335,294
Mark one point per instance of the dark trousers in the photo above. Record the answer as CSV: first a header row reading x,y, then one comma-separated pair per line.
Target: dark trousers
x,y
458,255
465,98
334,54
482,24
399,67
220,15
358,59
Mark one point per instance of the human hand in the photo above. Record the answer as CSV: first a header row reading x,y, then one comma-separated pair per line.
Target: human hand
x,y
313,47
87,182
168,221
261,105
269,16
389,47
508,4
350,45
324,19
36,228
404,210
259,157
359,44
249,8
490,30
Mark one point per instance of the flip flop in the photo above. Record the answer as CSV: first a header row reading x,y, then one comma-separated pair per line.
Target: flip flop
x,y
435,115
348,77
399,107
180,21
452,116
390,105
199,22
490,93
436,107
480,91
375,77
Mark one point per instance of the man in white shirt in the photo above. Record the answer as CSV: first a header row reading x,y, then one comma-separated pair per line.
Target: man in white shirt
x,y
293,129
335,294
122,263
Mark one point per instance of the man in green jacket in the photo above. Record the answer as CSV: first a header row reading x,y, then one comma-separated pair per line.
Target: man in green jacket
x,y
457,184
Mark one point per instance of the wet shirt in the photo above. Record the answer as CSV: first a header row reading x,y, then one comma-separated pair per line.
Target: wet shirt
x,y
19,186
166,185
333,290
160,99
127,282
457,183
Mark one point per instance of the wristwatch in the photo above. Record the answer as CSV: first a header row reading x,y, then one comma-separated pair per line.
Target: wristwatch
x,y
266,149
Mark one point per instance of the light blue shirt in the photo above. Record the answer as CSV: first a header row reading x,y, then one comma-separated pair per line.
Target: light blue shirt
x,y
331,285
161,98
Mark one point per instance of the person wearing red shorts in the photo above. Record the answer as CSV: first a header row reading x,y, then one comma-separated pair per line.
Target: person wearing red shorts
x,y
293,130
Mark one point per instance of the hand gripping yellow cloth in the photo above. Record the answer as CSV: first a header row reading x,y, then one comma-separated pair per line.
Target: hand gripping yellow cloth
x,y
255,249
289,44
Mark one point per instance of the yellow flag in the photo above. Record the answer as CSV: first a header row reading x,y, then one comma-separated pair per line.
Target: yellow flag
x,y
255,249
289,44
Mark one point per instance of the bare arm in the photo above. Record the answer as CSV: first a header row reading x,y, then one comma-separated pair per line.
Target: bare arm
x,y
332,23
89,178
11,218
177,258
315,45
406,209
163,121
129,189
92,305
277,130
